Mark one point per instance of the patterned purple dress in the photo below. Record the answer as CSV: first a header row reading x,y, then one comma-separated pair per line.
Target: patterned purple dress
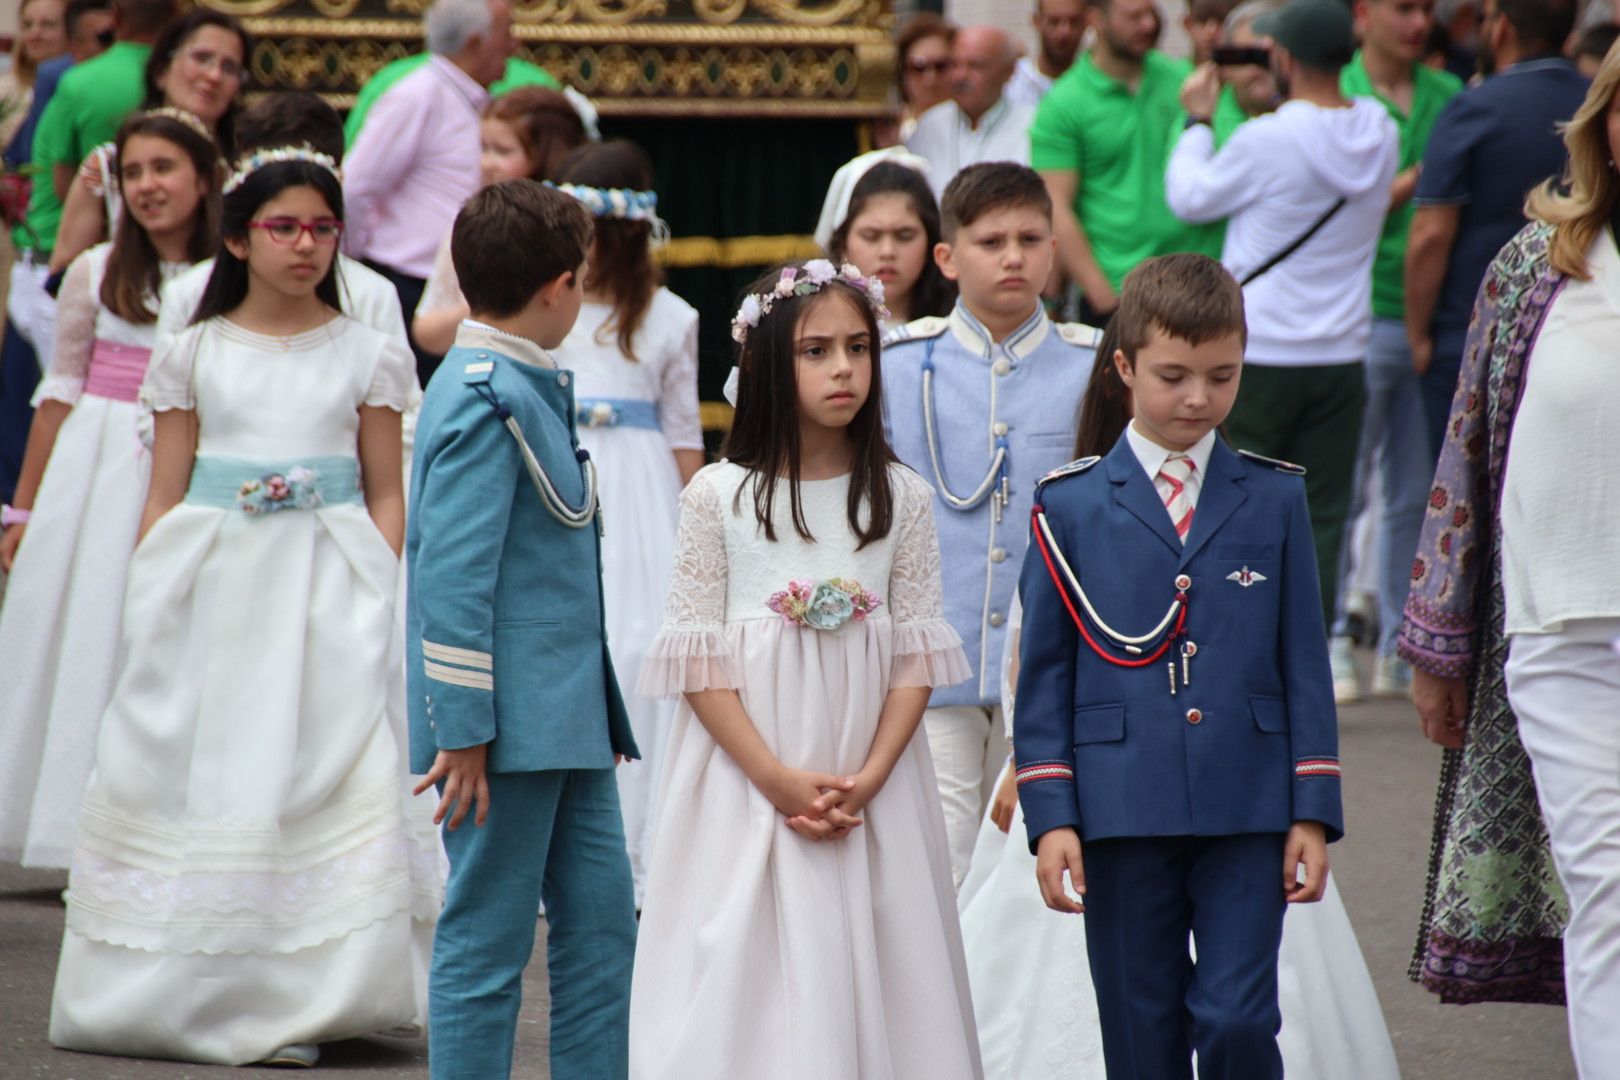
x,y
1494,913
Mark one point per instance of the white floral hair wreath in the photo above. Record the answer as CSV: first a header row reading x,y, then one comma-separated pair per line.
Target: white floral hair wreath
x,y
816,275
190,120
252,163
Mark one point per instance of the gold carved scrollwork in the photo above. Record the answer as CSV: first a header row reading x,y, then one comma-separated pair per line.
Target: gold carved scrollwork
x,y
719,11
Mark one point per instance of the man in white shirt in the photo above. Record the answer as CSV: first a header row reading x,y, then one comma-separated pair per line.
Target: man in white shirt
x,y
1061,24
1304,190
978,124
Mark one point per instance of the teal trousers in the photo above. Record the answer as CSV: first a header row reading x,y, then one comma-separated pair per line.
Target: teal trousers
x,y
557,836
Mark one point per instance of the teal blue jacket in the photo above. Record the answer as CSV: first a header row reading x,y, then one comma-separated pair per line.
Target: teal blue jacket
x,y
505,642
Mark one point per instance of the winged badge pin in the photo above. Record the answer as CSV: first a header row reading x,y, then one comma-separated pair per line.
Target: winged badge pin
x,y
1246,577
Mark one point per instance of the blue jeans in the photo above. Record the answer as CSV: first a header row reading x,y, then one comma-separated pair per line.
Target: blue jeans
x,y
1439,387
556,835
1395,441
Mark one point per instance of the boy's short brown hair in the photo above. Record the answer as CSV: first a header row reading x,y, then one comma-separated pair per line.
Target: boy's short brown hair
x,y
1187,296
990,185
514,238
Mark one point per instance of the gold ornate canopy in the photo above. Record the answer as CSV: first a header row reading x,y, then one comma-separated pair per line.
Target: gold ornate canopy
x,y
805,58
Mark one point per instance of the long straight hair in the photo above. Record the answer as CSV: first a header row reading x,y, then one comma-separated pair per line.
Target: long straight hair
x,y
1105,407
1579,204
129,288
621,261
764,435
228,284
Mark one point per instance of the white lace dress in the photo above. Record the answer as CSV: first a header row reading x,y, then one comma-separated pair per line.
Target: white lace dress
x,y
1032,991
244,876
59,626
640,492
761,953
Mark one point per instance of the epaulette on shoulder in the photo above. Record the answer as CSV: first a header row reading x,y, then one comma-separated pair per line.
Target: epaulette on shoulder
x,y
1281,466
1073,468
917,330
478,369
1074,333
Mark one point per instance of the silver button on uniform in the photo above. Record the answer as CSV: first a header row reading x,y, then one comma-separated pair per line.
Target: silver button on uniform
x,y
996,619
562,378
998,428
1194,716
1002,366
998,554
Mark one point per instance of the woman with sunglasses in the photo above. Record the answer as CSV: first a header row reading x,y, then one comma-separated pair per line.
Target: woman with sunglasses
x,y
198,66
923,49
245,885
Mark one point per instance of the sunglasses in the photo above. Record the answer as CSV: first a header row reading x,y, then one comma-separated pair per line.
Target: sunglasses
x,y
924,67
288,230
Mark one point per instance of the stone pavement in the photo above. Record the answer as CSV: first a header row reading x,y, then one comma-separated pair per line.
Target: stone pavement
x,y
1389,785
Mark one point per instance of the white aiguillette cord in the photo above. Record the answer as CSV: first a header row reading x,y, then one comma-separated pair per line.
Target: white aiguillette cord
x,y
997,462
550,497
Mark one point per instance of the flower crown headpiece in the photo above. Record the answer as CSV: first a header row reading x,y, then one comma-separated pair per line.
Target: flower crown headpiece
x,y
190,120
622,203
247,166
816,275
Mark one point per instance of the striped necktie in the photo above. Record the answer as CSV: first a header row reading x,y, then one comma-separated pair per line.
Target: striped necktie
x,y
1173,477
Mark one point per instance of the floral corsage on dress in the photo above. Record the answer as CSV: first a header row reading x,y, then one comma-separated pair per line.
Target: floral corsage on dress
x,y
823,605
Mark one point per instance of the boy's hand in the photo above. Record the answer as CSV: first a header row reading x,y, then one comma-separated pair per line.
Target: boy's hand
x,y
1055,852
464,784
1307,846
1005,801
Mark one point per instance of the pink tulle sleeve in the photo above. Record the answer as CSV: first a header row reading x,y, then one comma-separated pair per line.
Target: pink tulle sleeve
x,y
927,649
691,652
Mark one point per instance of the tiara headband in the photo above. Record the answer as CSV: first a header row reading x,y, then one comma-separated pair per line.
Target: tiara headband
x,y
247,166
190,120
816,275
622,203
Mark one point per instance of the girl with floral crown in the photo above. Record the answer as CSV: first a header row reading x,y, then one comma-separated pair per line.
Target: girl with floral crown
x,y
83,483
244,884
800,920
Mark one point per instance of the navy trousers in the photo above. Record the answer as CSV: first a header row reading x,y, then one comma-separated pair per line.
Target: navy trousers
x,y
1144,898
556,835
19,374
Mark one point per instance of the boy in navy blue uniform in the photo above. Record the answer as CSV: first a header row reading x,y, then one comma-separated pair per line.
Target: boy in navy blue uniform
x,y
1175,706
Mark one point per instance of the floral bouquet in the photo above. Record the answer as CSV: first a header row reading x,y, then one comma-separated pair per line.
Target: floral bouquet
x,y
296,489
823,605
596,414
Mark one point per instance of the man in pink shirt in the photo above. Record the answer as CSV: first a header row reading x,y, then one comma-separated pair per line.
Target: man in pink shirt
x,y
416,160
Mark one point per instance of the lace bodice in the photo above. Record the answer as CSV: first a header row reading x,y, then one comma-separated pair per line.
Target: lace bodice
x,y
80,320
726,572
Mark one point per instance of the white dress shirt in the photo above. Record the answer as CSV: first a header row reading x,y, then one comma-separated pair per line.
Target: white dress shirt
x,y
1153,456
950,143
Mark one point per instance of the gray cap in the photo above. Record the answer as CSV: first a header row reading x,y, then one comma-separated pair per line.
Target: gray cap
x,y
1319,33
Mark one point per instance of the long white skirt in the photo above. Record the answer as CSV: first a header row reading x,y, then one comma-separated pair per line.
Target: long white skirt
x,y
245,876
60,644
1037,1011
640,493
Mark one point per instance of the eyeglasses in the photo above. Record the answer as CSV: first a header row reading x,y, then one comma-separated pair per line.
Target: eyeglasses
x,y
208,58
286,230
924,67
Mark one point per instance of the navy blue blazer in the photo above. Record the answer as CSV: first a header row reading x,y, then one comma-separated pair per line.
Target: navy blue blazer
x,y
1249,743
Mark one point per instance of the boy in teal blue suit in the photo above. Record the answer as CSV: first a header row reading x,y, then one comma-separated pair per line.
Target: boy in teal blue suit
x,y
515,713
1175,707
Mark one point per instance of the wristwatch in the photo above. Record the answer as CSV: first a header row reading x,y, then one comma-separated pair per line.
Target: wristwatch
x,y
10,515
1194,121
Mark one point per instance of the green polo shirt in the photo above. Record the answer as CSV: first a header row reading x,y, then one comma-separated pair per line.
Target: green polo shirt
x,y
1114,139
90,103
518,73
1228,117
1431,90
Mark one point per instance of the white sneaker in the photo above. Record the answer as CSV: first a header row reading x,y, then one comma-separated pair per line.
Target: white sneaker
x,y
296,1056
1346,683
1392,678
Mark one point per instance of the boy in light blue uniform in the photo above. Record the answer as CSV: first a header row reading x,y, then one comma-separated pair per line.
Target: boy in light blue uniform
x,y
981,403
1175,707
514,709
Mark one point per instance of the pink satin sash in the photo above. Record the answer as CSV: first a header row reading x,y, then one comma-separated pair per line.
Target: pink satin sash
x,y
116,370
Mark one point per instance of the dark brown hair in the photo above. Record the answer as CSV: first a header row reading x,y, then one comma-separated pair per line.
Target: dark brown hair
x,y
1105,408
173,39
129,286
1186,296
513,238
919,27
290,118
545,122
621,260
934,293
764,435
990,185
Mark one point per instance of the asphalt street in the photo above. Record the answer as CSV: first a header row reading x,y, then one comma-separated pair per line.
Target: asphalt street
x,y
1389,789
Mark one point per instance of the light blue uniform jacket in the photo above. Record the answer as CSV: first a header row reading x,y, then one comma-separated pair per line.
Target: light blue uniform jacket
x,y
505,642
1024,393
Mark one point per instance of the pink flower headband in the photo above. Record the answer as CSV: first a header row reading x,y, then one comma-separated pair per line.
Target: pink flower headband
x,y
816,275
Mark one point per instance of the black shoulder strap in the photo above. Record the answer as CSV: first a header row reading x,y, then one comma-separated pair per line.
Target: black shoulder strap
x,y
1304,238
